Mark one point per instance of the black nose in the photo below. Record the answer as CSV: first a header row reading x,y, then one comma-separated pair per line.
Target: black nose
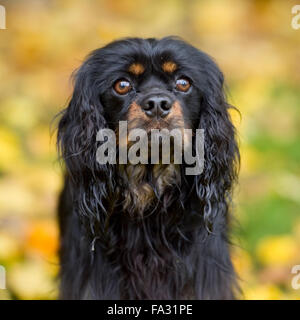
x,y
157,105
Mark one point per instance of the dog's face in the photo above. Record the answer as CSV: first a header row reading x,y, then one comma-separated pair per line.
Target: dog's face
x,y
151,84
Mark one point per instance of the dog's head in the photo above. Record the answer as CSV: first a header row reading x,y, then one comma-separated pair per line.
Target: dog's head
x,y
152,84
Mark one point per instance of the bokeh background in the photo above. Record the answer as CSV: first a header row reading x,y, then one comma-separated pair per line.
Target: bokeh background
x,y
259,52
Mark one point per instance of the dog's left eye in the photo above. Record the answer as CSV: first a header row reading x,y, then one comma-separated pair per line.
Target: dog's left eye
x,y
122,86
183,84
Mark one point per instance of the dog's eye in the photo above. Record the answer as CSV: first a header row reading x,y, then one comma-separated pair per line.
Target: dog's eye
x,y
122,86
183,84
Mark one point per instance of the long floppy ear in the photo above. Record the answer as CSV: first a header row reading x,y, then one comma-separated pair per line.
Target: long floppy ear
x,y
77,144
221,162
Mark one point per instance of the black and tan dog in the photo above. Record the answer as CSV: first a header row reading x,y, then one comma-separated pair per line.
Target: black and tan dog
x,y
146,231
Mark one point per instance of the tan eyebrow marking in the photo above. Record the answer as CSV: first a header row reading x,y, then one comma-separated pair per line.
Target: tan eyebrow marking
x,y
169,66
136,69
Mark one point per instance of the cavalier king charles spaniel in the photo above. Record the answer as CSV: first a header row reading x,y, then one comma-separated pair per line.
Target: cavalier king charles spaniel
x,y
144,230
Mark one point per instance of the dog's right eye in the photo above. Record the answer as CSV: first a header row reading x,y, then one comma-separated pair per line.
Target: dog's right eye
x,y
122,86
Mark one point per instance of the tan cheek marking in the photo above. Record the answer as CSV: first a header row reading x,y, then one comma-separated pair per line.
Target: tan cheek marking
x,y
136,117
136,69
169,66
135,111
176,114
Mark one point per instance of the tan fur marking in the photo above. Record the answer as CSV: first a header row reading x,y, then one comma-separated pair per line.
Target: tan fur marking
x,y
136,117
169,66
139,194
135,111
166,175
176,115
136,69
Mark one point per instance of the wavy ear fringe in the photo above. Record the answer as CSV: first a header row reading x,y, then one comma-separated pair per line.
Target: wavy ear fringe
x,y
77,145
221,165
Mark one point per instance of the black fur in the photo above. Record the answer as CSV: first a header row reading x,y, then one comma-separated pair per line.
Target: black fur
x,y
178,248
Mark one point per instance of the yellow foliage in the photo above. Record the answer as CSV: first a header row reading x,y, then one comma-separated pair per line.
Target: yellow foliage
x,y
20,112
9,247
277,250
250,161
32,280
242,263
262,292
10,149
42,238
15,197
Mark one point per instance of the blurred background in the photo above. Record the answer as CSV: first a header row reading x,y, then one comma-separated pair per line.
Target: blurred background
x,y
258,50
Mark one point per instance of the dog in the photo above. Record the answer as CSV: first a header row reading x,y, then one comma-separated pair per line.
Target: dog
x,y
147,231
